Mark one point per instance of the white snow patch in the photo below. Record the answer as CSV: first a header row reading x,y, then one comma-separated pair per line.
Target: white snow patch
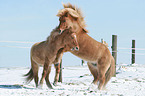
x,y
129,81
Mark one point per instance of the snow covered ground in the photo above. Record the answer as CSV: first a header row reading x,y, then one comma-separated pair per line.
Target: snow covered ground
x,y
129,81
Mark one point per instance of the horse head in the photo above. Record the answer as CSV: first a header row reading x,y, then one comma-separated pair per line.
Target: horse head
x,y
70,40
71,16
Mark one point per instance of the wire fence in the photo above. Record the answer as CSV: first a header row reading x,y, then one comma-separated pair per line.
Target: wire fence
x,y
16,42
118,48
22,42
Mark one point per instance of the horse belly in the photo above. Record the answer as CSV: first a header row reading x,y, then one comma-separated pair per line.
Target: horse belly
x,y
86,57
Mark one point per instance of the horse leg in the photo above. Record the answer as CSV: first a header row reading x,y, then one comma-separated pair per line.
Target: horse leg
x,y
110,72
95,78
57,65
45,69
47,78
93,70
35,69
102,69
57,71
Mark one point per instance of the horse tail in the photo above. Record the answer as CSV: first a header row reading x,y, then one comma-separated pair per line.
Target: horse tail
x,y
29,75
110,72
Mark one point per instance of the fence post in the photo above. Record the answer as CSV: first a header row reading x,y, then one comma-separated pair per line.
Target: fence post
x,y
60,74
114,49
133,51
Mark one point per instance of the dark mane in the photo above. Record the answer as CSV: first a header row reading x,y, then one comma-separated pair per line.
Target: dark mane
x,y
53,34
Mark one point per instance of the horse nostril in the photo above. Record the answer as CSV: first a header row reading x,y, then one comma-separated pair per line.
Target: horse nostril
x,y
77,48
72,49
59,31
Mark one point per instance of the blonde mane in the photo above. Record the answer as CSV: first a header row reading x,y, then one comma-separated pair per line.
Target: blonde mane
x,y
75,12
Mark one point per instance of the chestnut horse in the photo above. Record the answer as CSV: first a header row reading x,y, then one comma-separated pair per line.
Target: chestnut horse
x,y
90,49
50,51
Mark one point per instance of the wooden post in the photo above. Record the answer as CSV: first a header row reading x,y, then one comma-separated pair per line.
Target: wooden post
x,y
133,52
60,74
114,49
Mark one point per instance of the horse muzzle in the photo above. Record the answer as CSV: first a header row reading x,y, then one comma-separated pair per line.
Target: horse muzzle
x,y
75,48
60,31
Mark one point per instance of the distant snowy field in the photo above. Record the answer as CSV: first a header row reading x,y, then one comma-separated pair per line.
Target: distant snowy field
x,y
129,81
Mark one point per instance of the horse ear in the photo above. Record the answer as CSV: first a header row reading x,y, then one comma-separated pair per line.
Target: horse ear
x,y
74,14
70,11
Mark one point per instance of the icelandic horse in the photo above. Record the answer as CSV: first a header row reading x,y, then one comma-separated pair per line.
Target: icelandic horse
x,y
90,50
50,51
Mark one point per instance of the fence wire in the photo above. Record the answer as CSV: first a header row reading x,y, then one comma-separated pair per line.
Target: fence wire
x,y
16,42
119,48
16,47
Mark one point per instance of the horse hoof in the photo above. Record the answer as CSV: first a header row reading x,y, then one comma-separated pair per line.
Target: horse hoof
x,y
39,86
50,87
55,84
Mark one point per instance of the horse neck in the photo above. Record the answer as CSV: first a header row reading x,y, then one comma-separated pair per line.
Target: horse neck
x,y
55,45
82,37
77,29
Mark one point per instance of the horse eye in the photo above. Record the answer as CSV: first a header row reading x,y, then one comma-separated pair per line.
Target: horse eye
x,y
66,15
64,21
72,37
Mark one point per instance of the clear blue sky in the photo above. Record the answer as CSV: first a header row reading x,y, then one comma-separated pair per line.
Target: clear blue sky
x,y
33,20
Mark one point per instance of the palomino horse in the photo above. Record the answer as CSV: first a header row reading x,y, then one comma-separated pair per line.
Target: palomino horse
x,y
89,49
50,51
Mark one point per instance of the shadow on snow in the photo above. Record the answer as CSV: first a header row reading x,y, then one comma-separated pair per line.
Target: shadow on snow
x,y
14,87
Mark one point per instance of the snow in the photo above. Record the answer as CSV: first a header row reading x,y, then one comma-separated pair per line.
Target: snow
x,y
129,81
